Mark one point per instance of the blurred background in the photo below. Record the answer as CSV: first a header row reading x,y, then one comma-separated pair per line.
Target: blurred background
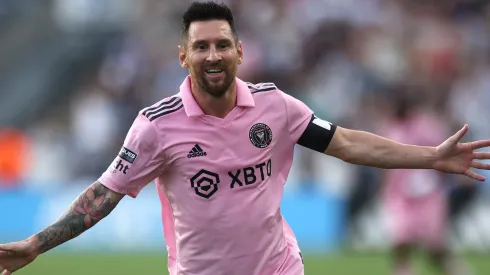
x,y
74,74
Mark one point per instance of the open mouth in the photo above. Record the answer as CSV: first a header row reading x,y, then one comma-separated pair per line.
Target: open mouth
x,y
214,72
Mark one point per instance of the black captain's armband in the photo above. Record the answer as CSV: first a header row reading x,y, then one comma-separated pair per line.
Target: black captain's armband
x,y
317,135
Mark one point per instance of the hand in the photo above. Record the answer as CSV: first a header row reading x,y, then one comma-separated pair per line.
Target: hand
x,y
14,256
458,158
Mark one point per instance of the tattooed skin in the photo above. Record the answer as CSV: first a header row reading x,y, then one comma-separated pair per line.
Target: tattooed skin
x,y
94,204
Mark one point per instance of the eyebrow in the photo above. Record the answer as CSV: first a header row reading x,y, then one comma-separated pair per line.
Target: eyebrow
x,y
203,41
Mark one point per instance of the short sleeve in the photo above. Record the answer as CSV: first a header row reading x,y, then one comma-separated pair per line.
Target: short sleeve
x,y
137,163
298,116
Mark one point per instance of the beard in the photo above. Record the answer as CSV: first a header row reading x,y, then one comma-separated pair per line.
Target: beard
x,y
216,87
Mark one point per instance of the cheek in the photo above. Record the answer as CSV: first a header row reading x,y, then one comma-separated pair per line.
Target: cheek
x,y
196,62
194,66
191,60
232,60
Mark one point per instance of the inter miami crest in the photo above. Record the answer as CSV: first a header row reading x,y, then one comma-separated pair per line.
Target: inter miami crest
x,y
260,135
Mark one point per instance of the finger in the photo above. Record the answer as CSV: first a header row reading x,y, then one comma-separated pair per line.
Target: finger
x,y
479,144
481,155
474,175
460,134
7,272
480,165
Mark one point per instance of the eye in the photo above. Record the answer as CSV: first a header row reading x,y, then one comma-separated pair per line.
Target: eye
x,y
201,47
224,45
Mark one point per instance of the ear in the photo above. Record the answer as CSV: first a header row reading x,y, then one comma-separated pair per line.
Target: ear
x,y
240,52
183,57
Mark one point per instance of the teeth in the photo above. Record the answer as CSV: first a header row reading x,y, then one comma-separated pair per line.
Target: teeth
x,y
214,71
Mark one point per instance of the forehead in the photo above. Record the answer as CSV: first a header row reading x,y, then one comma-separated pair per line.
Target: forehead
x,y
209,30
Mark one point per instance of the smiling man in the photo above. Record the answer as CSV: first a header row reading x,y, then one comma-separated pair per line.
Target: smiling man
x,y
220,151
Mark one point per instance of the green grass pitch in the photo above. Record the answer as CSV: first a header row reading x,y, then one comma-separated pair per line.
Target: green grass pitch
x,y
109,263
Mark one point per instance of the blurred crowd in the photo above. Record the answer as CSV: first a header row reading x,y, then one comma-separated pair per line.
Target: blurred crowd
x,y
362,64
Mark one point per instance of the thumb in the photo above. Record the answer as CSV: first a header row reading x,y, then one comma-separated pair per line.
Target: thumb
x,y
460,134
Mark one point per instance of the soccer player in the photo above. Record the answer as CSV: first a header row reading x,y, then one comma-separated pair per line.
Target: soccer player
x,y
220,151
415,200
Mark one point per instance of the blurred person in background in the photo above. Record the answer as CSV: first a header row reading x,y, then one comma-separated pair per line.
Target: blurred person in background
x,y
416,201
14,155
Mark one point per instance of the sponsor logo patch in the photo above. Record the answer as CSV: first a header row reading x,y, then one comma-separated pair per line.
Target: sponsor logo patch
x,y
205,183
127,155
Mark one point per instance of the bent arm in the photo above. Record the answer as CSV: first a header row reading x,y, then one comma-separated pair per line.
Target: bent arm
x,y
94,204
363,148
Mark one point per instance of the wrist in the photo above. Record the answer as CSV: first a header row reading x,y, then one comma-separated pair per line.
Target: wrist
x,y
432,157
34,245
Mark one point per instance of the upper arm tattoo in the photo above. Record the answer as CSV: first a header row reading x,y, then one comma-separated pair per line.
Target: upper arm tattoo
x,y
95,203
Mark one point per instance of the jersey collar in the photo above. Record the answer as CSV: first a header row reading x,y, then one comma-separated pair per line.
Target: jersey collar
x,y
244,97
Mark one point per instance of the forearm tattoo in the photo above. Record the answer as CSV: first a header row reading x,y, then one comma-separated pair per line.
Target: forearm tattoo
x,y
95,203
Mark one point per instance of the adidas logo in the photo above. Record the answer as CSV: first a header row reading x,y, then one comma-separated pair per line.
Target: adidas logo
x,y
196,152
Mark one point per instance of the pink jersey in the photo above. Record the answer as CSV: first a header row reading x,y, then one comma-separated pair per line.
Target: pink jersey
x,y
220,181
414,199
405,184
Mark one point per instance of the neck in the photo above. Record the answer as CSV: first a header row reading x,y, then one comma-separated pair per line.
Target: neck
x,y
215,106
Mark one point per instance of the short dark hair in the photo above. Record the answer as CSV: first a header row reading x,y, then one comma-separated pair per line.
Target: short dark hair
x,y
205,11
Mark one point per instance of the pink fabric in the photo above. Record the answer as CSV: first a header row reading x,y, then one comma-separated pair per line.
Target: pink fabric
x,y
423,222
215,224
415,200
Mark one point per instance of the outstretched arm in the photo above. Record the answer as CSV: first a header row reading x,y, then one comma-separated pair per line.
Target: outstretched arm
x,y
364,148
94,204
368,149
138,162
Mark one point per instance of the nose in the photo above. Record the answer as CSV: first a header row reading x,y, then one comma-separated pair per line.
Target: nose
x,y
214,55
